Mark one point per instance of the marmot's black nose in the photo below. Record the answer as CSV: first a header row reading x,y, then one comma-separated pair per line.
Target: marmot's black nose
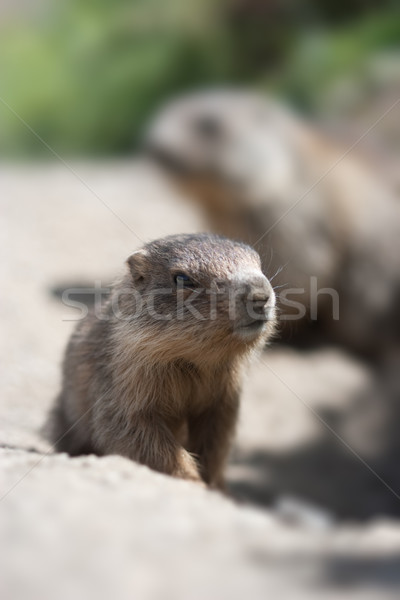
x,y
257,298
258,302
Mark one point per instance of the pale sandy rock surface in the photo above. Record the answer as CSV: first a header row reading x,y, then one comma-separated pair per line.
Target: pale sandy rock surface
x,y
93,527
108,528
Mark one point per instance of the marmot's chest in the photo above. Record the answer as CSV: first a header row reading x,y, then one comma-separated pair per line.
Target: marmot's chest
x,y
197,393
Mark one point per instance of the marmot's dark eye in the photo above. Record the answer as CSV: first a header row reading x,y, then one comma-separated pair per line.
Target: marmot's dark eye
x,y
183,280
208,127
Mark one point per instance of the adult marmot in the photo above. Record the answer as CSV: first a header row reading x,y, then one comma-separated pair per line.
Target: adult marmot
x,y
318,219
155,376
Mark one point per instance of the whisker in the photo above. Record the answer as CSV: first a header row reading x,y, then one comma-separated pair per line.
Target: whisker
x,y
277,287
280,269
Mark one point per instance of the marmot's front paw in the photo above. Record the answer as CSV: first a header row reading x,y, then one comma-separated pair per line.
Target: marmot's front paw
x,y
186,467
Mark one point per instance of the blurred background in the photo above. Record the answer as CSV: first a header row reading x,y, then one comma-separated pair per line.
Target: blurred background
x,y
318,445
87,76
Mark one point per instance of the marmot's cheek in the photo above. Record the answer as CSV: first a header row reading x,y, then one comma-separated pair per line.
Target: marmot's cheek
x,y
270,313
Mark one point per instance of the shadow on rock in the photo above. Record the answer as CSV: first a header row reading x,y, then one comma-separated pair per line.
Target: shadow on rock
x,y
351,471
349,571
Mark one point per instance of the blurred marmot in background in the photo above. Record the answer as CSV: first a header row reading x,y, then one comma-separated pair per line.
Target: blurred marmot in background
x,y
156,376
318,221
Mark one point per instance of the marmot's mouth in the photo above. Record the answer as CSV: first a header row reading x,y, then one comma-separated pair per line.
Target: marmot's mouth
x,y
251,329
167,160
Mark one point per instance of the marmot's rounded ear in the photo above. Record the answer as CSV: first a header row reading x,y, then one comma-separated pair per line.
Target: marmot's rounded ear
x,y
137,264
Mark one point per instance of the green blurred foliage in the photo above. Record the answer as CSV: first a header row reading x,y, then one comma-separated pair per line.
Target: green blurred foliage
x,y
86,75
324,58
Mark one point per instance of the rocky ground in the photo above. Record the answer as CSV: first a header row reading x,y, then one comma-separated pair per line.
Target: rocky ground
x,y
313,475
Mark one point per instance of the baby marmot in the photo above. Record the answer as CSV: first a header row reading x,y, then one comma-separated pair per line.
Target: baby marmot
x,y
155,376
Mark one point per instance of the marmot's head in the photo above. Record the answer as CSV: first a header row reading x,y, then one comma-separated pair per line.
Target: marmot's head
x,y
198,297
236,142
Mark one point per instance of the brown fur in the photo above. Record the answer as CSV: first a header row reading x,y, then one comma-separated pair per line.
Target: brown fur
x,y
165,392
